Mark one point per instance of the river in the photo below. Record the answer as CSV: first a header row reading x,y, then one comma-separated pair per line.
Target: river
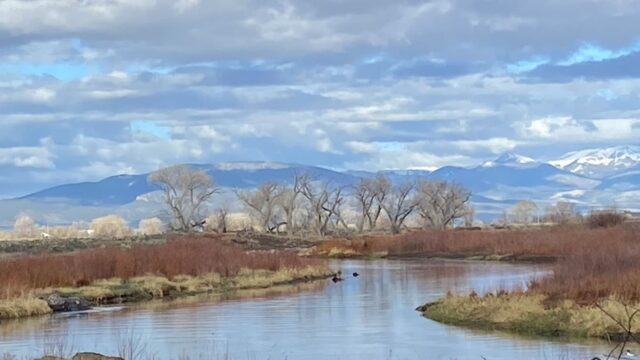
x,y
367,317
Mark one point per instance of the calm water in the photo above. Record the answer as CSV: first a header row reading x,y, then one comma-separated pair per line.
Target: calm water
x,y
369,317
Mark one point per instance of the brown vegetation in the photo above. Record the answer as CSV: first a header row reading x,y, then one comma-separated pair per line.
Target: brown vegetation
x,y
605,219
607,266
551,242
179,256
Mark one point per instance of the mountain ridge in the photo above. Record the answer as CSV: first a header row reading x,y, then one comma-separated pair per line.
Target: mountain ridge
x,y
495,184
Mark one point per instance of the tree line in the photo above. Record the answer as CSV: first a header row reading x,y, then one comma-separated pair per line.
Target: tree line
x,y
310,204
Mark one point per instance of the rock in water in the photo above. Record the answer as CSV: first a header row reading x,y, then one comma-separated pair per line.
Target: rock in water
x,y
59,303
83,356
93,356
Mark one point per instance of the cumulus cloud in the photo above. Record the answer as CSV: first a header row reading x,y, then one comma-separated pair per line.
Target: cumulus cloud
x,y
124,86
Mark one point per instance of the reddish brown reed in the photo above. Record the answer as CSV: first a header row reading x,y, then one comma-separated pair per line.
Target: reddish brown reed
x,y
551,242
609,266
188,256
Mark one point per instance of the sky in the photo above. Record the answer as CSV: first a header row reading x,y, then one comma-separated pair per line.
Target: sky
x,y
94,88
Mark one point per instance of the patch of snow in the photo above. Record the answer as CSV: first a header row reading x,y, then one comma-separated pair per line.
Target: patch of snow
x,y
154,196
509,159
575,181
600,162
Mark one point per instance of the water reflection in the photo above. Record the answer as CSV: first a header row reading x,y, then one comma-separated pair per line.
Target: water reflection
x,y
369,317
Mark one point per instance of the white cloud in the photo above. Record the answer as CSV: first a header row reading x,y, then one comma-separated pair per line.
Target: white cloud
x,y
361,147
27,157
494,145
570,130
322,78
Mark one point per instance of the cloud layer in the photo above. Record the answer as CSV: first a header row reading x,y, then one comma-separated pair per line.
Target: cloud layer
x,y
93,88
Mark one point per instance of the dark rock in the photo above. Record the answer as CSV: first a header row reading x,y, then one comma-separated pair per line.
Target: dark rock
x,y
59,303
93,356
423,308
355,274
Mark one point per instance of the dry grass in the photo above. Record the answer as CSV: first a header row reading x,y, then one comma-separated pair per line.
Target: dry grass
x,y
153,286
593,266
23,306
179,256
530,314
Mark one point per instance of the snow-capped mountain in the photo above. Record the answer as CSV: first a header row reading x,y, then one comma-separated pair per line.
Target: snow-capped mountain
x,y
600,163
510,159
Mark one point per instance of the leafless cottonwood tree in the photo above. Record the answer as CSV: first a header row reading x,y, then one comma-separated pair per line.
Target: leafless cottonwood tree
x,y
289,196
381,187
369,194
324,203
186,191
441,202
222,216
263,203
398,203
469,215
561,213
524,211
365,198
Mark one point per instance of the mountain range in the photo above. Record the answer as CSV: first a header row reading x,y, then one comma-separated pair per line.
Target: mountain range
x,y
591,178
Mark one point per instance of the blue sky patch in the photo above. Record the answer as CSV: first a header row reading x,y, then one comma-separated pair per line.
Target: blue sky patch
x,y
151,128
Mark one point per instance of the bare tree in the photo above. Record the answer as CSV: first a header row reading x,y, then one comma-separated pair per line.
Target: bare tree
x,y
186,191
24,227
561,213
625,323
469,215
365,197
398,204
222,216
262,202
289,202
381,187
324,203
524,211
441,202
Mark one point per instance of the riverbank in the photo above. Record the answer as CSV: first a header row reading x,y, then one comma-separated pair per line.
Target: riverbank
x,y
40,284
593,291
119,291
531,314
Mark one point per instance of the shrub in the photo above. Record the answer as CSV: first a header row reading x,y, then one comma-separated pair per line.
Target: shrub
x,y
603,219
110,226
25,227
152,226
